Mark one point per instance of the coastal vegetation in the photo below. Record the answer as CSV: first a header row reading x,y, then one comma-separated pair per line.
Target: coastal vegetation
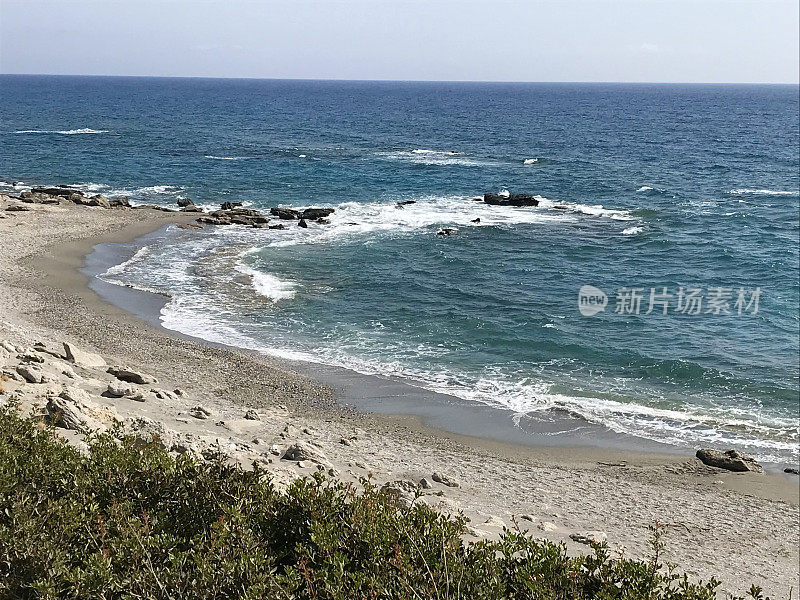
x,y
126,519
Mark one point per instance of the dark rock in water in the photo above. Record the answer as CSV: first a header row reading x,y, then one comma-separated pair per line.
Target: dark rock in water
x,y
478,199
278,226
316,213
302,223
214,220
230,205
260,226
405,203
241,212
445,231
286,214
153,207
324,221
189,226
560,207
64,192
478,220
242,220
510,200
792,470
731,460
184,202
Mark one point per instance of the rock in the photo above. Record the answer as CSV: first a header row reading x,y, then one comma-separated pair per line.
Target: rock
x,y
230,205
252,415
286,214
39,198
305,451
404,491
76,197
478,220
214,220
275,450
510,200
589,537
547,526
444,480
65,410
47,349
302,223
425,484
67,371
184,202
148,431
792,470
120,389
17,208
494,521
446,231
164,394
31,374
120,202
405,203
527,517
31,357
316,213
474,532
189,226
8,346
344,441
730,460
81,358
200,412
99,200
131,376
278,226
64,192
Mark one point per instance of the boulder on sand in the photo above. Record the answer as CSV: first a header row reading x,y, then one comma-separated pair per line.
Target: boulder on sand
x,y
131,376
184,202
82,358
730,460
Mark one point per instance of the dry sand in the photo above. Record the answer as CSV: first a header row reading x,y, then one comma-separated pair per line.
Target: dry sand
x,y
739,527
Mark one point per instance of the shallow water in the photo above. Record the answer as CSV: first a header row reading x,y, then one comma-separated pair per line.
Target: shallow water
x,y
640,186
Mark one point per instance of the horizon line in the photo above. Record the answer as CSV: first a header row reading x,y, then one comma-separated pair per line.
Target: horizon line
x,y
341,79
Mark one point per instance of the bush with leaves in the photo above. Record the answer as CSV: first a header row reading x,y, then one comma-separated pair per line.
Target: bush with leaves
x,y
130,521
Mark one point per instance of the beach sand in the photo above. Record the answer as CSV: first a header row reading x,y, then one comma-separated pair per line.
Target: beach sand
x,y
740,527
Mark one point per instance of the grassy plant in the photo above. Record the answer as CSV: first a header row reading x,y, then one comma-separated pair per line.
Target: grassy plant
x,y
131,522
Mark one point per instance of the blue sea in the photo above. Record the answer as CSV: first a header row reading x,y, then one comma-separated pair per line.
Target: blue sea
x,y
671,199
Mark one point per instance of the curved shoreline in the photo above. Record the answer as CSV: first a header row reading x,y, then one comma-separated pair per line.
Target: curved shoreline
x,y
563,488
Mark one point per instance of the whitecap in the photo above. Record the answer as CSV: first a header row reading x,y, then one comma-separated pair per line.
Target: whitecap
x,y
644,188
138,256
64,131
632,230
530,161
213,157
268,285
762,192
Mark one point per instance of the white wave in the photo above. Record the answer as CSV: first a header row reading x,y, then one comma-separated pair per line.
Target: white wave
x,y
442,152
138,256
65,131
212,157
301,156
763,192
422,156
593,210
530,161
632,230
268,285
644,188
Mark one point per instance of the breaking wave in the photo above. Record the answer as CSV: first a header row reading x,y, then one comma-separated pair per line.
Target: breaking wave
x,y
763,192
65,131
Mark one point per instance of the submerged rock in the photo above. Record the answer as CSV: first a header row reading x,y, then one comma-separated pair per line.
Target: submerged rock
x,y
447,231
730,460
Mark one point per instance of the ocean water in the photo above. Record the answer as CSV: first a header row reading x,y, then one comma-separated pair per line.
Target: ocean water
x,y
641,187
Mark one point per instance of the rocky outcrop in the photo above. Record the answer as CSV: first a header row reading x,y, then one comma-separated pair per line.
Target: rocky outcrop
x,y
444,480
313,214
447,231
184,202
230,205
510,200
730,460
287,214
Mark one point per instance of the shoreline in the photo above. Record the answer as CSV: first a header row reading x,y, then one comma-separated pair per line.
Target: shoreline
x,y
567,488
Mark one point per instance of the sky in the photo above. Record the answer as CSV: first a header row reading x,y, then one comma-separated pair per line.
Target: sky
x,y
698,41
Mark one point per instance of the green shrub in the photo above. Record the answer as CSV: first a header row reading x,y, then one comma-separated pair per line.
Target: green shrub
x,y
133,522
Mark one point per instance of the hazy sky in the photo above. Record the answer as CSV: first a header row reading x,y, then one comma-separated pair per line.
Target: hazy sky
x,y
492,40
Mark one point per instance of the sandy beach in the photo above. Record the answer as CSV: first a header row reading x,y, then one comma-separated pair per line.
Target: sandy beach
x,y
739,527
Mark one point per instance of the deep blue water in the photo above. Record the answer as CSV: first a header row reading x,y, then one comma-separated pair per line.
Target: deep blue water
x,y
645,186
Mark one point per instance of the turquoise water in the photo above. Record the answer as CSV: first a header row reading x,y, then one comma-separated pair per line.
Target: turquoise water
x,y
640,186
